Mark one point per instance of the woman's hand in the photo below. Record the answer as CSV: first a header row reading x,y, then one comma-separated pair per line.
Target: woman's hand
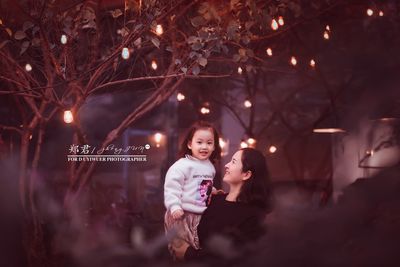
x,y
180,249
217,191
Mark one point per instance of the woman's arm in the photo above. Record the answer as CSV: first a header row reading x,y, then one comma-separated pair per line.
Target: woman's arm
x,y
250,230
188,253
193,254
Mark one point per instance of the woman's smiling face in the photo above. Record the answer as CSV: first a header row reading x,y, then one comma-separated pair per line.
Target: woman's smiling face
x,y
233,170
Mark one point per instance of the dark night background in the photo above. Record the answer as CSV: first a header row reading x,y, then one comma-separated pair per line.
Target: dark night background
x,y
336,194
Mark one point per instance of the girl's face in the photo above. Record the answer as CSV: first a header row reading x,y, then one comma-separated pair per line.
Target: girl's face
x,y
233,170
202,144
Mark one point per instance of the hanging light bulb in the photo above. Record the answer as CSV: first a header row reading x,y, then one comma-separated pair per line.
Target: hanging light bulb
x,y
222,143
159,29
154,65
272,149
205,110
63,39
243,144
247,103
125,53
370,12
293,61
312,63
240,71
251,141
28,67
369,152
326,35
158,138
180,97
274,25
281,22
381,13
269,51
68,117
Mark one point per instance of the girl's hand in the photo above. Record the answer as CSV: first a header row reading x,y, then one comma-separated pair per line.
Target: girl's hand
x,y
178,214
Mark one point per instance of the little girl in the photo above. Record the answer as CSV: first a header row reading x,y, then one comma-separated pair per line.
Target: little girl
x,y
189,182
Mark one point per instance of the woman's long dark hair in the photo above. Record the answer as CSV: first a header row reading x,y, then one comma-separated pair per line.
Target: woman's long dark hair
x,y
257,189
201,125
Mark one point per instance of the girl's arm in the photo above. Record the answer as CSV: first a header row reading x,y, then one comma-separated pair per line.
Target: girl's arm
x,y
173,187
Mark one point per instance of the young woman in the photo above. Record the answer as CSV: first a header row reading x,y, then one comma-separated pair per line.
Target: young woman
x,y
238,215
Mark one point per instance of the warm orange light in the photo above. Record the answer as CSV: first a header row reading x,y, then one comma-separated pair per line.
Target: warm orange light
x,y
28,67
239,70
68,116
370,12
158,138
63,39
272,149
274,25
328,28
222,143
326,35
243,144
251,141
125,53
180,97
381,13
387,119
154,65
312,63
205,110
247,103
281,22
293,61
369,152
329,130
269,51
159,29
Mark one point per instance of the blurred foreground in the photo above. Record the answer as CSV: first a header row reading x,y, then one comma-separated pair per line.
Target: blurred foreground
x,y
362,229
